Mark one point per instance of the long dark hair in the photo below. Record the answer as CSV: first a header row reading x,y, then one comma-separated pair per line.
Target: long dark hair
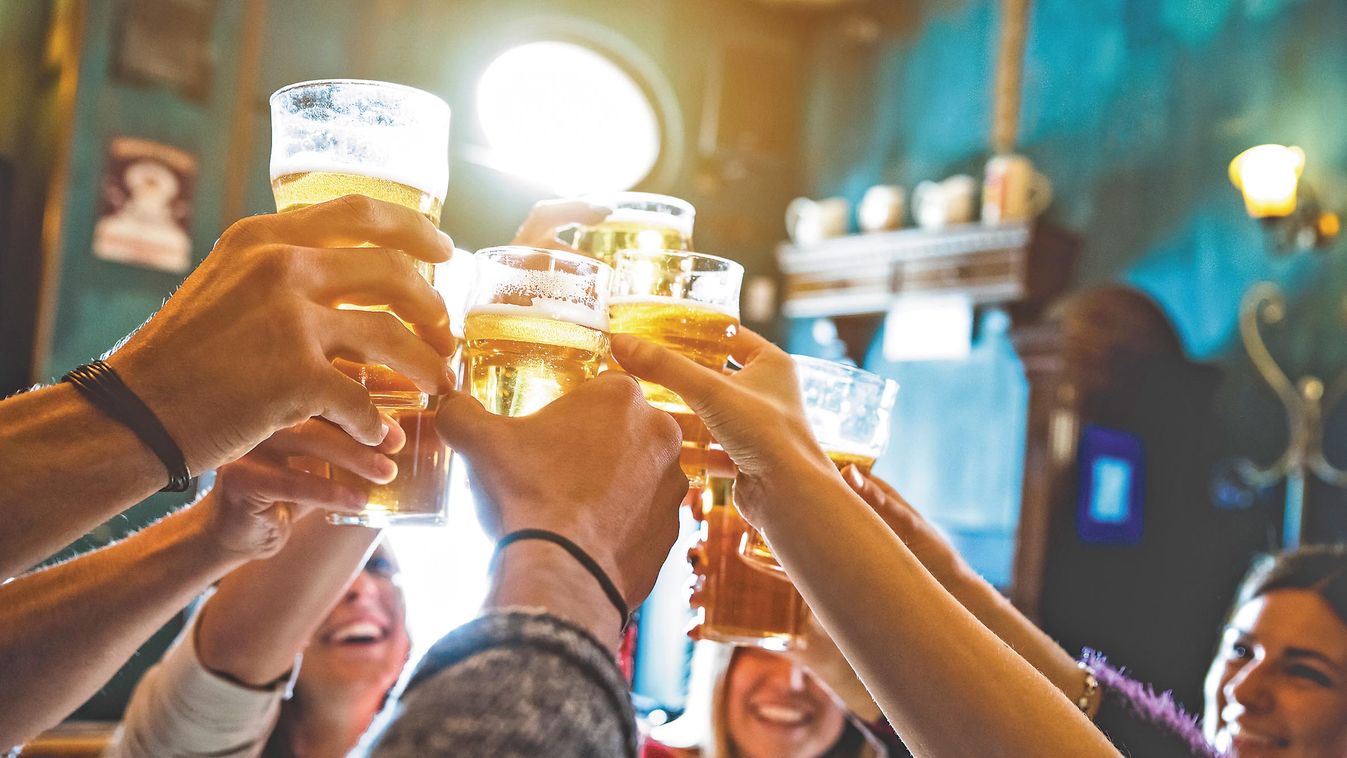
x,y
1321,569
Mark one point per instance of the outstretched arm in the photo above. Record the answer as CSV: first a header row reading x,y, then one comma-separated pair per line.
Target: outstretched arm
x,y
922,655
243,348
536,674
990,607
264,612
65,630
60,478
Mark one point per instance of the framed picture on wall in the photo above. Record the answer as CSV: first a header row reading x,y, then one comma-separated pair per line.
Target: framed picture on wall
x,y
167,43
145,205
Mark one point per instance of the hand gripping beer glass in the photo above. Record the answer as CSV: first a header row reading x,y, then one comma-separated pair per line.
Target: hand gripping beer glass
x,y
536,327
389,142
686,302
848,410
639,221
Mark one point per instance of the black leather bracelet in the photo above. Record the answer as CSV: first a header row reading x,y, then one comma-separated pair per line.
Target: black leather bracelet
x,y
100,385
591,565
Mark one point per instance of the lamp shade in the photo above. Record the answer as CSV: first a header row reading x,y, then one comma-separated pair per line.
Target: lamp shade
x,y
1267,175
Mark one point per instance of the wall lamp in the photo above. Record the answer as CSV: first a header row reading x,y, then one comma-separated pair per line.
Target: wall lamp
x,y
1269,177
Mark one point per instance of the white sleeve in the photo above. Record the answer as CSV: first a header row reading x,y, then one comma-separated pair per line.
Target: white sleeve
x,y
180,708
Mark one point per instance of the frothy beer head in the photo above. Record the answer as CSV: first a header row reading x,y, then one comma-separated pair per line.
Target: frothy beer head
x,y
536,327
555,285
374,129
647,209
638,220
542,310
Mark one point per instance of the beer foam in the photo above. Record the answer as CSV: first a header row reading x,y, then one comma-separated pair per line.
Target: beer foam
x,y
727,310
680,224
419,172
548,309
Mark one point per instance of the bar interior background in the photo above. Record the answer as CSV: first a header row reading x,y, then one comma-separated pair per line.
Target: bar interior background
x,y
1133,109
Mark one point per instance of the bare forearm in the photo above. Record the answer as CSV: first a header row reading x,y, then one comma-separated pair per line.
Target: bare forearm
x,y
264,612
66,468
534,574
66,630
1033,645
918,651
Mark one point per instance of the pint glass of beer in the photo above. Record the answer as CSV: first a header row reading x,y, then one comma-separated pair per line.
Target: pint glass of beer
x,y
536,327
389,142
848,411
738,603
640,221
686,302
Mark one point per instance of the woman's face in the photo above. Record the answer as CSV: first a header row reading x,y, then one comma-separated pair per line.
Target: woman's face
x,y
776,709
363,643
1278,685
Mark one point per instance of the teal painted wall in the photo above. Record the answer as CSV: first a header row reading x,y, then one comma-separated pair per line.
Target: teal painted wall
x,y
100,301
28,137
1133,108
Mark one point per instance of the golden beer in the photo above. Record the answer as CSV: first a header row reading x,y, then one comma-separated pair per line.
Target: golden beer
x,y
700,332
388,389
519,358
421,488
754,547
420,491
632,231
304,188
389,142
682,301
739,604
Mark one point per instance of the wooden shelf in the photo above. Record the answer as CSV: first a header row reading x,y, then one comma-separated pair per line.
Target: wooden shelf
x,y
864,274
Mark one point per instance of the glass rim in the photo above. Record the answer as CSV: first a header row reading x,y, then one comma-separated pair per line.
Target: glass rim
x,y
372,83
853,372
564,255
733,265
655,197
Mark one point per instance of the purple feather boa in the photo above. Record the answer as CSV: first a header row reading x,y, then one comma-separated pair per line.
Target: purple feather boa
x,y
1159,709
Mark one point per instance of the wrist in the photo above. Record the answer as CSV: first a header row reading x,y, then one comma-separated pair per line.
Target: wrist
x,y
170,404
196,528
586,535
798,477
539,574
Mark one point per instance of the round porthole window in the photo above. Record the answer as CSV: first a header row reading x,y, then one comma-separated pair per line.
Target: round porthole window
x,y
567,117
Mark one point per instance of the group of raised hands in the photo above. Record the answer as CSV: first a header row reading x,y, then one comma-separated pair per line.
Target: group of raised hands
x,y
238,366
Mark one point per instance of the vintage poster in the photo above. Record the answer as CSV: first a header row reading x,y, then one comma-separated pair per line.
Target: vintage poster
x,y
145,205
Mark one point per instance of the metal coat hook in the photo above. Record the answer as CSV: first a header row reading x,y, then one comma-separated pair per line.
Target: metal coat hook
x,y
1305,402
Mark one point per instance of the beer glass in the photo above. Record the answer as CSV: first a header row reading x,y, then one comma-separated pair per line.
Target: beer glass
x,y
736,602
686,302
848,410
640,221
536,327
389,142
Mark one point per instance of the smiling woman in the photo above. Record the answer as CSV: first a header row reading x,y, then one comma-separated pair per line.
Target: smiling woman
x,y
199,701
1278,684
751,703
